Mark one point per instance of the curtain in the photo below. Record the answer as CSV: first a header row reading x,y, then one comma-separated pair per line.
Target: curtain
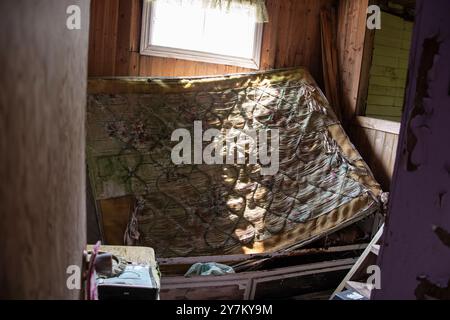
x,y
259,6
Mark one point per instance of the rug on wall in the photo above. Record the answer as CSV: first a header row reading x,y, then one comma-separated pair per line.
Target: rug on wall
x,y
319,185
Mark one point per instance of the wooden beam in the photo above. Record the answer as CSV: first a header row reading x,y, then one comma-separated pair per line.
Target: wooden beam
x,y
352,32
244,257
270,36
246,283
330,60
361,261
378,124
123,38
367,58
280,272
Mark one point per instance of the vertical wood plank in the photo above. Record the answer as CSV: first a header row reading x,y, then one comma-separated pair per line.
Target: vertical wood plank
x,y
270,37
96,36
136,21
378,149
352,31
124,38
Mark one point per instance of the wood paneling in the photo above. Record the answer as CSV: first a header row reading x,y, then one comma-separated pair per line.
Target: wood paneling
x,y
291,38
389,69
116,215
378,146
376,140
352,32
42,143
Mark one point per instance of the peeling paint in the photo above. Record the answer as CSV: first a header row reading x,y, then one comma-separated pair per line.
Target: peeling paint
x,y
442,197
427,289
416,265
447,169
431,47
443,235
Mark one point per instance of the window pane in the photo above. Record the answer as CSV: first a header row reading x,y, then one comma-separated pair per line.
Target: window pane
x,y
177,26
189,25
230,33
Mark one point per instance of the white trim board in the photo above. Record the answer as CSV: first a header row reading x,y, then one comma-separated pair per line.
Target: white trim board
x,y
378,124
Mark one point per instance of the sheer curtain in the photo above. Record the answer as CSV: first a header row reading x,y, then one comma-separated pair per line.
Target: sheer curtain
x,y
259,6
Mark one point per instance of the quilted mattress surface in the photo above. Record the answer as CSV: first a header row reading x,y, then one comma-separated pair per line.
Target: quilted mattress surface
x,y
190,209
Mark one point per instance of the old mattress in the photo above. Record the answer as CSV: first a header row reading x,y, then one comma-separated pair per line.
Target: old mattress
x,y
321,186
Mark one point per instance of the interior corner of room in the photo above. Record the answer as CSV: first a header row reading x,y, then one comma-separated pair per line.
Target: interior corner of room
x,y
96,170
297,33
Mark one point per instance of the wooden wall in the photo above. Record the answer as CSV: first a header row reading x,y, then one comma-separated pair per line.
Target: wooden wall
x,y
42,142
351,39
377,141
292,38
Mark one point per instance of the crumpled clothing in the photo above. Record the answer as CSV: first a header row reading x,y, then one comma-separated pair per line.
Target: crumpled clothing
x,y
209,269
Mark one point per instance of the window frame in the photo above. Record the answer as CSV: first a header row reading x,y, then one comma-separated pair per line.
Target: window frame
x,y
148,49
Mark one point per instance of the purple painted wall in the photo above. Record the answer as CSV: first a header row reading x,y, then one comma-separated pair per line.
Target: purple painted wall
x,y
415,258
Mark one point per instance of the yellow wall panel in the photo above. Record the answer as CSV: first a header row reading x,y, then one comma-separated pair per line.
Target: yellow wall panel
x,y
389,68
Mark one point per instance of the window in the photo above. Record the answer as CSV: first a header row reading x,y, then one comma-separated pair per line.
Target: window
x,y
187,29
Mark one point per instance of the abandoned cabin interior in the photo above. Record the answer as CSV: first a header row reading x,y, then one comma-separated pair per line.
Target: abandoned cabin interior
x,y
334,86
